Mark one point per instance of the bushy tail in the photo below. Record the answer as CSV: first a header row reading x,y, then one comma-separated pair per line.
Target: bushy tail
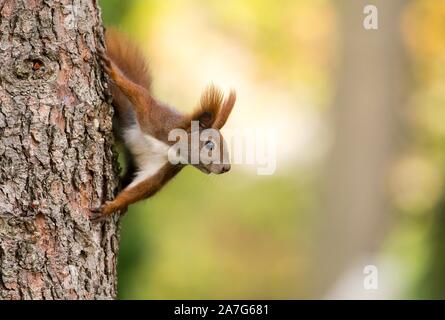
x,y
128,57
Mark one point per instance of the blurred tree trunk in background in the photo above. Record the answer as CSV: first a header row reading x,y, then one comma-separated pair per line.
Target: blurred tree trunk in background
x,y
56,158
355,216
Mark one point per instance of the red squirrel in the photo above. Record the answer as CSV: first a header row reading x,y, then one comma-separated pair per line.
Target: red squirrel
x,y
144,124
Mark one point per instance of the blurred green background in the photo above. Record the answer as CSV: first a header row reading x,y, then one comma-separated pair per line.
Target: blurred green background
x,y
355,184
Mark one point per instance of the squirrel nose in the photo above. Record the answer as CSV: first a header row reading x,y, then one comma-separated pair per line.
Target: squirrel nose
x,y
225,168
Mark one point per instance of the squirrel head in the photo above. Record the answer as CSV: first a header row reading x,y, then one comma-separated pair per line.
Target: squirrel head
x,y
210,117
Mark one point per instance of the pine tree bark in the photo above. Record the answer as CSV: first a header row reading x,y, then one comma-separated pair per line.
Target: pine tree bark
x,y
56,156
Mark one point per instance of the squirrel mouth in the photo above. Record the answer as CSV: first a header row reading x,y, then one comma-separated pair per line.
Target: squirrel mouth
x,y
205,170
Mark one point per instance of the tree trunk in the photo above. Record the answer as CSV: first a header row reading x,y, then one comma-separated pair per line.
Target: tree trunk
x,y
355,215
56,156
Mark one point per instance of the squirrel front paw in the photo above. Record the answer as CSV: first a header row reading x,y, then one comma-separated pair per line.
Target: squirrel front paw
x,y
106,62
102,212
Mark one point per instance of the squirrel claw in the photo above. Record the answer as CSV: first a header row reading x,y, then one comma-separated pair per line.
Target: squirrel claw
x,y
104,60
103,212
97,214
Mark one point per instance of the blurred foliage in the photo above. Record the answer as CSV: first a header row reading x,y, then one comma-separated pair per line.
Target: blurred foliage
x,y
202,245
113,11
424,30
418,176
278,35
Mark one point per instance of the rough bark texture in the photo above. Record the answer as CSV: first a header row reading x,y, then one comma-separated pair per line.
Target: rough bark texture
x,y
56,157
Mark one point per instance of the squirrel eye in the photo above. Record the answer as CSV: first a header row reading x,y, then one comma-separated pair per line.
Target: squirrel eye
x,y
209,145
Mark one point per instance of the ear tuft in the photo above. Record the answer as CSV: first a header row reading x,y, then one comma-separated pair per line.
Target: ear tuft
x,y
211,99
225,110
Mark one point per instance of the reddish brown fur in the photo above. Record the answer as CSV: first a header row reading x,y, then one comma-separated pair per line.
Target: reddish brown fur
x,y
125,54
143,190
225,111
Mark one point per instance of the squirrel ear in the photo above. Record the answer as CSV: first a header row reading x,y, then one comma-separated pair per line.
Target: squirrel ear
x,y
225,111
205,119
210,105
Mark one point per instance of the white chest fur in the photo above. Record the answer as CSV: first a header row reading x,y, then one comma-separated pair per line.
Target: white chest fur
x,y
150,154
